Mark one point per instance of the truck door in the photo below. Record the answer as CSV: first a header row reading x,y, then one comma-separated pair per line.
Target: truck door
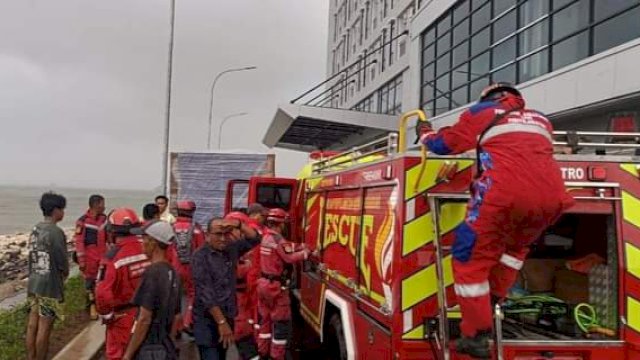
x,y
237,195
278,193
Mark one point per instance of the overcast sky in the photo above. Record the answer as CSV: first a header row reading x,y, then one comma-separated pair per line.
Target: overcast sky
x,y
82,83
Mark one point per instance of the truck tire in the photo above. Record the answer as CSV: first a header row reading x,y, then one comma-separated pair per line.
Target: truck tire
x,y
336,346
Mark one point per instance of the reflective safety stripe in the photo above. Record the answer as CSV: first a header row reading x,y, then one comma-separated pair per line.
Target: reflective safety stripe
x,y
129,260
264,336
90,226
515,127
279,342
257,357
472,290
511,262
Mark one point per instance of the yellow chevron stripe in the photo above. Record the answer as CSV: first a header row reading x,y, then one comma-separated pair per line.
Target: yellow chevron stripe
x,y
633,313
630,168
633,259
423,284
631,208
428,179
416,333
417,233
420,232
451,215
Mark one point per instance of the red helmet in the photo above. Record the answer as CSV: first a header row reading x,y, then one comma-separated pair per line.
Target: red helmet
x,y
277,215
186,205
122,220
237,215
499,90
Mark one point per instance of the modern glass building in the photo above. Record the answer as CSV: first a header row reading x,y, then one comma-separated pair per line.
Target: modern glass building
x,y
575,60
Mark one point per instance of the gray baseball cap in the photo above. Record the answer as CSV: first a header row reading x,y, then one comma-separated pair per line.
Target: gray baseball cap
x,y
158,230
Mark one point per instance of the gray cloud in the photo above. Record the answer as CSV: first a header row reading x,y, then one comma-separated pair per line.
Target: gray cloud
x,y
83,82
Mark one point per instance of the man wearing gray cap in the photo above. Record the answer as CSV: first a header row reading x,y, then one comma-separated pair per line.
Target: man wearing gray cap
x,y
158,298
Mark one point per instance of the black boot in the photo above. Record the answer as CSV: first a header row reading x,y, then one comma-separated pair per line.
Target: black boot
x,y
477,346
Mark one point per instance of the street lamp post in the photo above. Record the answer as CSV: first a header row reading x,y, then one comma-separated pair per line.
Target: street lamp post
x,y
213,86
167,115
222,124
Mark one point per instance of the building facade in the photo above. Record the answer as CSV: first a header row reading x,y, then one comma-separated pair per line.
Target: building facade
x,y
575,60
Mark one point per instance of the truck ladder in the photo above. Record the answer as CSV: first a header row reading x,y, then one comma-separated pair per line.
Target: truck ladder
x,y
384,146
443,337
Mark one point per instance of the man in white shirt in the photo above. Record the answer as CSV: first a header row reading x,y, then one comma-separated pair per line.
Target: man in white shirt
x,y
163,203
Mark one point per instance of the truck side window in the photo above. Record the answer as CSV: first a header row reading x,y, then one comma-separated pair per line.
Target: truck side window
x,y
275,196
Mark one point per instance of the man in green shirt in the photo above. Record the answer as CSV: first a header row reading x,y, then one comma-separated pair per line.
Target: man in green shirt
x,y
48,269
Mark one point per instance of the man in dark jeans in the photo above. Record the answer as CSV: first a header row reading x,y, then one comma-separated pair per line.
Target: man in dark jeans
x,y
214,277
158,298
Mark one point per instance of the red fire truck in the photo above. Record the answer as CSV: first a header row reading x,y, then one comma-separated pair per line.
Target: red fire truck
x,y
383,218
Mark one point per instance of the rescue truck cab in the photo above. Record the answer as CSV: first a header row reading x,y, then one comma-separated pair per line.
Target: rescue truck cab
x,y
383,217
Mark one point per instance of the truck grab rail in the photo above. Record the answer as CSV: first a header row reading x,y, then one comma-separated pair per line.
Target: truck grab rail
x,y
383,146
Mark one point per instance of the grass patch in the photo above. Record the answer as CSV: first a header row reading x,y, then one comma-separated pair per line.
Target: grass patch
x,y
13,323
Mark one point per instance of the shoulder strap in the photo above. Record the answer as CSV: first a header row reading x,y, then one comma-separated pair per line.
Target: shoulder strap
x,y
493,122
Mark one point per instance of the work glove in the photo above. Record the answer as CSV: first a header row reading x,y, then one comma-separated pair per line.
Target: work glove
x,y
423,130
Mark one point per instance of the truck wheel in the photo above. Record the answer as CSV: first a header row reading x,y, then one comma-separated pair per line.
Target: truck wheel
x,y
336,346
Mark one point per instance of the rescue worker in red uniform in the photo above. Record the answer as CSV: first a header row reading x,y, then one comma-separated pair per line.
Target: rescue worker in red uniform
x,y
189,238
246,298
509,207
274,305
91,245
118,278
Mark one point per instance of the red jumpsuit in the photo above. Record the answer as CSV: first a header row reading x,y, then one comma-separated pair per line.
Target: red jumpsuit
x,y
91,245
189,238
120,273
274,305
517,194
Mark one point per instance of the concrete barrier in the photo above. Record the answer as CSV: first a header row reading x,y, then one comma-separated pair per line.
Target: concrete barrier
x,y
85,345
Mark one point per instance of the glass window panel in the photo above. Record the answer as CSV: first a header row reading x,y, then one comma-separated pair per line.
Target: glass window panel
x,y
571,19
500,6
374,103
428,109
477,3
443,44
428,73
606,8
480,42
461,32
504,26
392,98
477,87
533,10
570,50
427,93
460,75
479,66
534,66
460,96
557,4
534,37
443,64
461,11
429,54
504,52
442,104
399,93
429,37
480,18
384,101
442,85
616,31
507,74
461,53
444,24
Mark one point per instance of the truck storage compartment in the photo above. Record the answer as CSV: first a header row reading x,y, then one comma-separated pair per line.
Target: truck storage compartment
x,y
573,265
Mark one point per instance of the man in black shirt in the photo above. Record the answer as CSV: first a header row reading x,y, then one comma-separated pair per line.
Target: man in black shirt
x,y
158,298
214,277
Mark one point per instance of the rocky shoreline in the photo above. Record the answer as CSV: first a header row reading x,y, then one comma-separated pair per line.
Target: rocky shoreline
x,y
14,261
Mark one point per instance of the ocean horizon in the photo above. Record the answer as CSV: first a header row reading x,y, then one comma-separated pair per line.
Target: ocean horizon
x,y
19,208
